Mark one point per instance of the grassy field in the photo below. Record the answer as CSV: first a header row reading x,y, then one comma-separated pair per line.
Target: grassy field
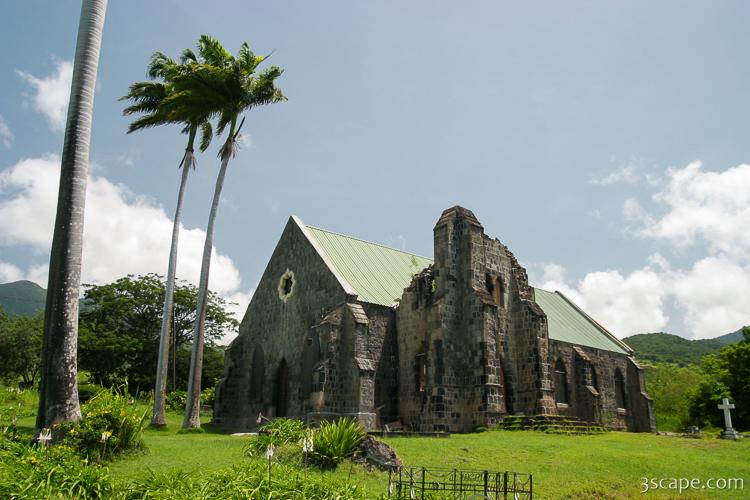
x,y
608,465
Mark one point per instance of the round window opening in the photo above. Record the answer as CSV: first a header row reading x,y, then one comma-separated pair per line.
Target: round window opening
x,y
286,285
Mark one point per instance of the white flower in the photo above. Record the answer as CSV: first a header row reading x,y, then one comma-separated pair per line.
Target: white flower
x,y
44,436
269,452
307,444
105,436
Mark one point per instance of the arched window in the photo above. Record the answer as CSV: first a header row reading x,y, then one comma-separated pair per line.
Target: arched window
x,y
421,365
561,382
310,357
503,379
496,289
594,378
257,375
282,389
620,396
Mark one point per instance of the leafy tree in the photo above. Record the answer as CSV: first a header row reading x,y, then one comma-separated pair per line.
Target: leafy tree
x,y
120,324
728,375
146,99
58,390
670,385
20,347
230,86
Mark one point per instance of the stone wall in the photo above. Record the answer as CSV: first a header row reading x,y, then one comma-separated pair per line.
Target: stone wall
x,y
472,342
592,390
466,346
282,328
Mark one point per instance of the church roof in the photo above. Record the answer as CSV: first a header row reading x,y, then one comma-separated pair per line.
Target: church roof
x,y
378,274
566,322
375,273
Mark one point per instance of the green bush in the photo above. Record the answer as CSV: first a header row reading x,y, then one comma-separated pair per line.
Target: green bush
x,y
336,441
280,432
110,424
176,400
33,471
88,391
208,397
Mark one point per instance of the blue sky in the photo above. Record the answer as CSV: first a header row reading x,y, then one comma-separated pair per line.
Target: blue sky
x,y
572,130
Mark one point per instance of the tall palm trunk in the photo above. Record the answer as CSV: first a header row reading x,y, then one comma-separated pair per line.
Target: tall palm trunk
x,y
160,391
58,392
192,409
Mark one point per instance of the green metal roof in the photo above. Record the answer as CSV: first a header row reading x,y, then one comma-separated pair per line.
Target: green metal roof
x,y
377,273
568,323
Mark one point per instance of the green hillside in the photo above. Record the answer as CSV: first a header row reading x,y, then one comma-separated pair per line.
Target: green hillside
x,y
22,297
668,348
730,338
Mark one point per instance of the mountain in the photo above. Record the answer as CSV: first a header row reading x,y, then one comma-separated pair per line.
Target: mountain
x,y
668,348
22,297
730,338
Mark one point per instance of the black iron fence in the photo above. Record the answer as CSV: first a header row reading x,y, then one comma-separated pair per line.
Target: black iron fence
x,y
430,483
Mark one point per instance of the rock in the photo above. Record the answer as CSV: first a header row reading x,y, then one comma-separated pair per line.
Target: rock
x,y
378,454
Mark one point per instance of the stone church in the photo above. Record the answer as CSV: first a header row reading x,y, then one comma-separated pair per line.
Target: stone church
x,y
343,327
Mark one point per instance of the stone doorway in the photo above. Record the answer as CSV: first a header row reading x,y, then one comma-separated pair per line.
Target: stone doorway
x,y
281,399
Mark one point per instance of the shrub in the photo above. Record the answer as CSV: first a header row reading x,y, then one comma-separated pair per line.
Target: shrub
x,y
111,424
176,400
208,397
336,441
88,391
280,432
32,471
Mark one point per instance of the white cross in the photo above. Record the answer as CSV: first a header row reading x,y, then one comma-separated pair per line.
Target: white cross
x,y
726,406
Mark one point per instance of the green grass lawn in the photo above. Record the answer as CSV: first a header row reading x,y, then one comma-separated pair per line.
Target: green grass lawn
x,y
608,465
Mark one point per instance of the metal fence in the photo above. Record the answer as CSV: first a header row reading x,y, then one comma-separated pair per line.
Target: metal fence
x,y
430,483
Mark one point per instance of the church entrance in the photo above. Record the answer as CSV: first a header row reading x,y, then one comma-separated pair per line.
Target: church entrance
x,y
281,399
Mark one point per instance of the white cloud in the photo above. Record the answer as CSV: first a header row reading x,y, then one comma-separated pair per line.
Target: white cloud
x,y
702,209
123,233
624,304
52,93
712,208
715,296
9,273
6,136
237,303
626,174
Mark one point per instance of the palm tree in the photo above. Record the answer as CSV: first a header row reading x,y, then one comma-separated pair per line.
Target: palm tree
x,y
147,98
230,86
58,388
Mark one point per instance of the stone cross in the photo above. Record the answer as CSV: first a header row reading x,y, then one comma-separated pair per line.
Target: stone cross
x,y
729,433
726,406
